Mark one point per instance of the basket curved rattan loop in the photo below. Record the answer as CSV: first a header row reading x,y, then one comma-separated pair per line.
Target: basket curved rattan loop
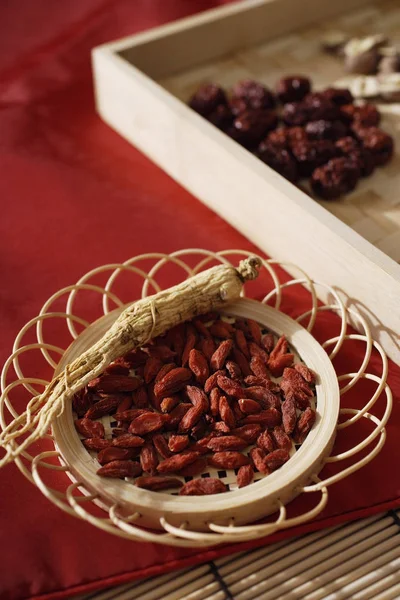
x,y
129,527
67,290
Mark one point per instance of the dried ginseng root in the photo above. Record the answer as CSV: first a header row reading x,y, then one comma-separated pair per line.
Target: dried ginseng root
x,y
141,321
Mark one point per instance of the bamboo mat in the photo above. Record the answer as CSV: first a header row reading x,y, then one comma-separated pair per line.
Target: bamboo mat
x,y
357,561
373,209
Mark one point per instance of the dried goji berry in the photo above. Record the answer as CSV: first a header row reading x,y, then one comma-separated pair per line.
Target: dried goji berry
x,y
198,365
228,442
203,487
146,423
89,428
245,476
177,443
221,354
111,453
249,433
157,482
172,382
248,406
128,440
161,445
228,460
226,412
265,442
120,469
177,462
148,458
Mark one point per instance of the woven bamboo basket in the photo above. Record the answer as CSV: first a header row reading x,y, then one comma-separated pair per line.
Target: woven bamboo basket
x,y
139,514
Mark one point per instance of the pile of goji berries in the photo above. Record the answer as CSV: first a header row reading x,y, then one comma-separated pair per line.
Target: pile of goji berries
x,y
199,397
299,133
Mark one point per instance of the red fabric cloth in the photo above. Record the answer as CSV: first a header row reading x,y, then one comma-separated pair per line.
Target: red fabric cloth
x,y
74,196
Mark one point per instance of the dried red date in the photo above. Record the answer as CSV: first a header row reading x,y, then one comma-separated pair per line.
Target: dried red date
x,y
252,95
339,176
379,143
292,89
207,98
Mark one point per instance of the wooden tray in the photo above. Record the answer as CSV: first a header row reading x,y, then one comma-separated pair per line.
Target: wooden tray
x,y
143,81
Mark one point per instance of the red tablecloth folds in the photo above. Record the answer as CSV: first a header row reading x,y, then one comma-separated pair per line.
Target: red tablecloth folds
x,y
74,196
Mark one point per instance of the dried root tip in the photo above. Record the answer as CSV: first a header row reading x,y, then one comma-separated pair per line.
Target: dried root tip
x,y
248,268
